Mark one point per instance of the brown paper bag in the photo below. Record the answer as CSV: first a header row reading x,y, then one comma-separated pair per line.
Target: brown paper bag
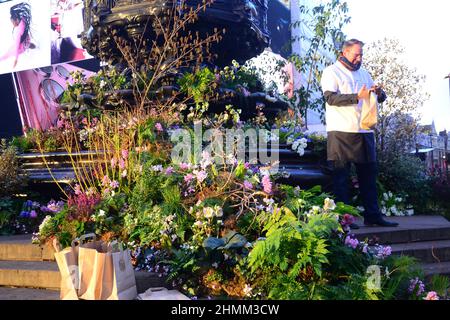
x,y
119,282
67,261
92,258
369,112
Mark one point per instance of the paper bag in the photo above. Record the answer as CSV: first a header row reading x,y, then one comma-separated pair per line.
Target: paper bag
x,y
369,112
67,261
92,257
119,282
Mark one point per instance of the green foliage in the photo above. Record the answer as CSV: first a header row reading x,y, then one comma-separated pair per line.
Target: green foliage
x,y
407,174
22,143
199,85
292,248
400,270
441,285
11,180
326,22
232,240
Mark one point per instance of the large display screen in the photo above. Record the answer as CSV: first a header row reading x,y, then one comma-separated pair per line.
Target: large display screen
x,y
37,33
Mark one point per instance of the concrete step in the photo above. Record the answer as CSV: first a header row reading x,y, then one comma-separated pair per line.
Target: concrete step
x,y
8,293
441,268
30,274
146,280
427,251
410,229
20,248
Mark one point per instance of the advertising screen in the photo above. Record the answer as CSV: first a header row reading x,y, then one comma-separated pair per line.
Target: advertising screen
x,y
37,33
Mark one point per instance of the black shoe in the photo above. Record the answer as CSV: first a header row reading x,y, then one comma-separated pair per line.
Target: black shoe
x,y
354,226
380,222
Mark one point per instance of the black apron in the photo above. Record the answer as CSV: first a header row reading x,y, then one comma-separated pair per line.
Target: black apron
x,y
351,147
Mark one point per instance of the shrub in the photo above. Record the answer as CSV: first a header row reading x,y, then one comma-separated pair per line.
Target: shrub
x,y
11,181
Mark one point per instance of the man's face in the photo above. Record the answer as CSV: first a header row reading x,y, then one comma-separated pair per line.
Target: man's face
x,y
354,54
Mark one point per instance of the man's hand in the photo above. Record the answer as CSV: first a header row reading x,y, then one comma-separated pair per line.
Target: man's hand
x,y
364,93
376,89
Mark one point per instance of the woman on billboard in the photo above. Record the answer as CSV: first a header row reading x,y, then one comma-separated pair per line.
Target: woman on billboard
x,y
21,21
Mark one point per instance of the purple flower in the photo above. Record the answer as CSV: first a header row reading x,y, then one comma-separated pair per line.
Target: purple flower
x,y
351,242
248,185
416,284
267,184
383,252
33,214
169,170
24,214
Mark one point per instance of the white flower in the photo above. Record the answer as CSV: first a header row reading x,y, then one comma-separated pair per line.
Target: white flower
x,y
198,224
215,265
101,213
208,212
219,212
247,290
329,204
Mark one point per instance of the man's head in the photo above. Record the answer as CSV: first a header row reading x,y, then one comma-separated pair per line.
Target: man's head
x,y
352,50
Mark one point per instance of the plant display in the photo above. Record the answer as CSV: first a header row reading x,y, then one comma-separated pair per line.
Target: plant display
x,y
210,222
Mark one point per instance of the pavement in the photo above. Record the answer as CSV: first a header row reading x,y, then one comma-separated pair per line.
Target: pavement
x,y
7,293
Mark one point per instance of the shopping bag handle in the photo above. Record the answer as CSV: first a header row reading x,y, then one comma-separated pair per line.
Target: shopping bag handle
x,y
119,245
87,236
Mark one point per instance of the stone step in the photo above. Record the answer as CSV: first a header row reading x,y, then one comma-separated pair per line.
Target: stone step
x,y
8,293
427,251
30,274
410,229
440,268
20,248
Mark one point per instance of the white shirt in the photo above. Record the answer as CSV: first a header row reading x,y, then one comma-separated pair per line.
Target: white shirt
x,y
337,78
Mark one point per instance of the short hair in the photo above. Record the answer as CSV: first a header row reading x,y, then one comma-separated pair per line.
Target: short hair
x,y
351,43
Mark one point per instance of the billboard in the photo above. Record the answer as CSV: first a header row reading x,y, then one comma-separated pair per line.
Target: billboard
x,y
37,33
39,92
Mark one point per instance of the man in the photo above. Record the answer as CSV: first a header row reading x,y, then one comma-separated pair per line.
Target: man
x,y
345,85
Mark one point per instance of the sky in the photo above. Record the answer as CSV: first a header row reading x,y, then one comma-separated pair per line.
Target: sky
x,y
423,28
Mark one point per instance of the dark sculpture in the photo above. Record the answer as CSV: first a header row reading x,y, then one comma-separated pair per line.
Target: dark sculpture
x,y
133,21
244,21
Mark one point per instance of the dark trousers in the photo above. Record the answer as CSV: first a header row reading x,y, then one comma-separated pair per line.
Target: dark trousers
x,y
367,173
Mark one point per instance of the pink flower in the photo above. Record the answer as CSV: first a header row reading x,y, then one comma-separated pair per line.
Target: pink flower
x,y
201,176
121,164
105,181
159,127
77,189
124,153
432,295
267,184
113,162
185,166
347,219
188,178
248,185
114,184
